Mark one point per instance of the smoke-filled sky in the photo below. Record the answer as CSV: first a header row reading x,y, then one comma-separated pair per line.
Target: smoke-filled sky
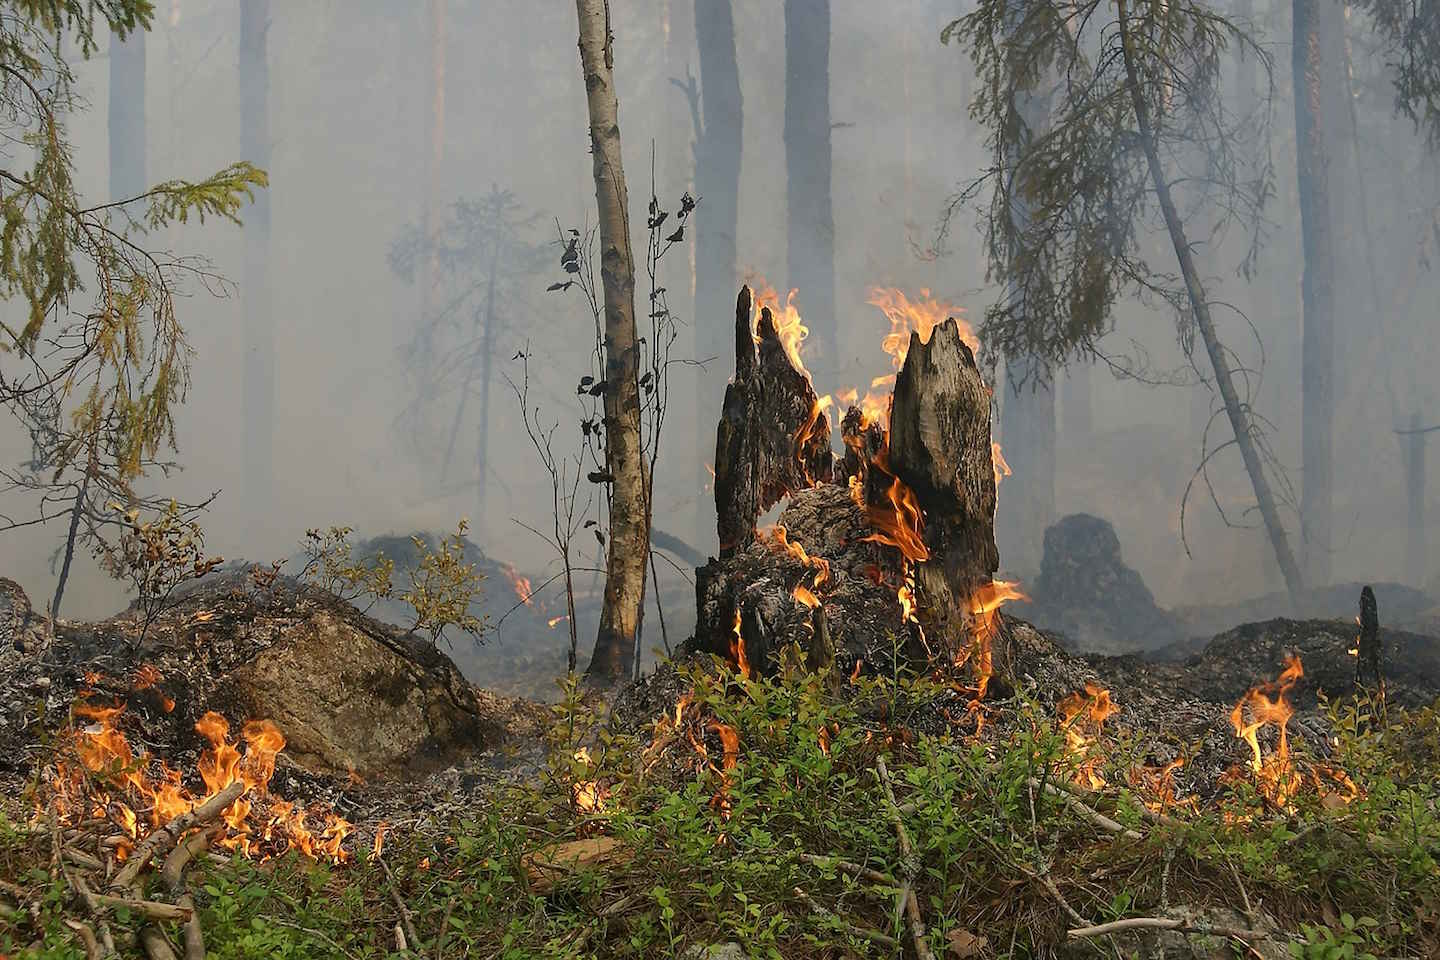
x,y
351,93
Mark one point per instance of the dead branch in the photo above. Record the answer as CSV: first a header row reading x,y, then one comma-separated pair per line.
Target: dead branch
x,y
854,869
156,946
907,895
408,925
87,937
1166,923
1087,812
164,838
863,933
153,909
172,874
194,935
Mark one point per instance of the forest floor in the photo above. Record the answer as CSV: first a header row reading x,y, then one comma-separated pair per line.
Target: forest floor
x,y
815,815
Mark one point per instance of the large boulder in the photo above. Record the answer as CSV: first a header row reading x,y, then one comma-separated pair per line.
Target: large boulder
x,y
1087,594
352,696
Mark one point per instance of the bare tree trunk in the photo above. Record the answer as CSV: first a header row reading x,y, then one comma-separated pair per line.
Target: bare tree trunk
x,y
1026,506
624,458
810,219
75,512
1077,409
1317,377
127,116
423,359
1027,412
487,366
1413,454
258,380
717,182
1239,417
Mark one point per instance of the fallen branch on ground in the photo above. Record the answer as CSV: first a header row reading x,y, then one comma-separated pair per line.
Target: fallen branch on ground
x,y
907,892
1166,923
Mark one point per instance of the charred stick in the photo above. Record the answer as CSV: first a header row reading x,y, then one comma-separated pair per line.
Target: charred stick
x,y
1087,812
167,836
81,859
1167,923
862,932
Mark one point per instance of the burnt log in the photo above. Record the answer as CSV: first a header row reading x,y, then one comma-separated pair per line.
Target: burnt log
x,y
773,437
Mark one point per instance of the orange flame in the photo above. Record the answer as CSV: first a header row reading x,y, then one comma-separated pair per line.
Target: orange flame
x,y
1267,703
1002,469
104,751
920,316
554,621
737,650
788,325
521,585
1083,716
985,604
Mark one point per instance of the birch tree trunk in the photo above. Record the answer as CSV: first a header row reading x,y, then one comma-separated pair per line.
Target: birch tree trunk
x,y
258,378
810,218
1195,292
1317,378
717,183
624,459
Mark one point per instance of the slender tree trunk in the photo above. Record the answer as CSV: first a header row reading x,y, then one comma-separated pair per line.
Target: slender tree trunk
x,y
487,365
1414,458
1194,289
258,383
127,116
1027,412
1026,500
810,219
75,512
624,458
420,332
717,183
1317,376
1077,412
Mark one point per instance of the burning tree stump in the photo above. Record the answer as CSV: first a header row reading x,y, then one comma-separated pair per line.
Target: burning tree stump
x,y
885,555
773,437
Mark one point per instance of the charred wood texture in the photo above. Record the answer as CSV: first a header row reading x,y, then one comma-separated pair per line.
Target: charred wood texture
x,y
773,437
879,556
940,448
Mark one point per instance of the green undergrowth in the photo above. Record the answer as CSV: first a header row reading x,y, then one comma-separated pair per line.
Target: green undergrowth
x,y
709,855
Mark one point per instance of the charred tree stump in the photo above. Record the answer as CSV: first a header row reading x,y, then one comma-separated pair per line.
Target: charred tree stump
x,y
940,448
884,556
773,437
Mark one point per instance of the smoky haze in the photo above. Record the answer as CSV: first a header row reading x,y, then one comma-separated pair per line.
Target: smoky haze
x,y
351,97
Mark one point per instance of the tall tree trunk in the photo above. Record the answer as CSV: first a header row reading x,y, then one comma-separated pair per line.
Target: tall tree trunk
x,y
419,332
1195,292
258,384
127,116
1317,378
1026,500
487,366
624,458
1027,411
809,217
1077,411
717,182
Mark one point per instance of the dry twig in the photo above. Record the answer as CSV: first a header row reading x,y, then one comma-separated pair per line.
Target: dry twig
x,y
907,894
864,933
1087,812
164,838
1166,923
406,928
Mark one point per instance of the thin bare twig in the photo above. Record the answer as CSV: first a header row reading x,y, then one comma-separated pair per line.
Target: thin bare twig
x,y
1166,923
